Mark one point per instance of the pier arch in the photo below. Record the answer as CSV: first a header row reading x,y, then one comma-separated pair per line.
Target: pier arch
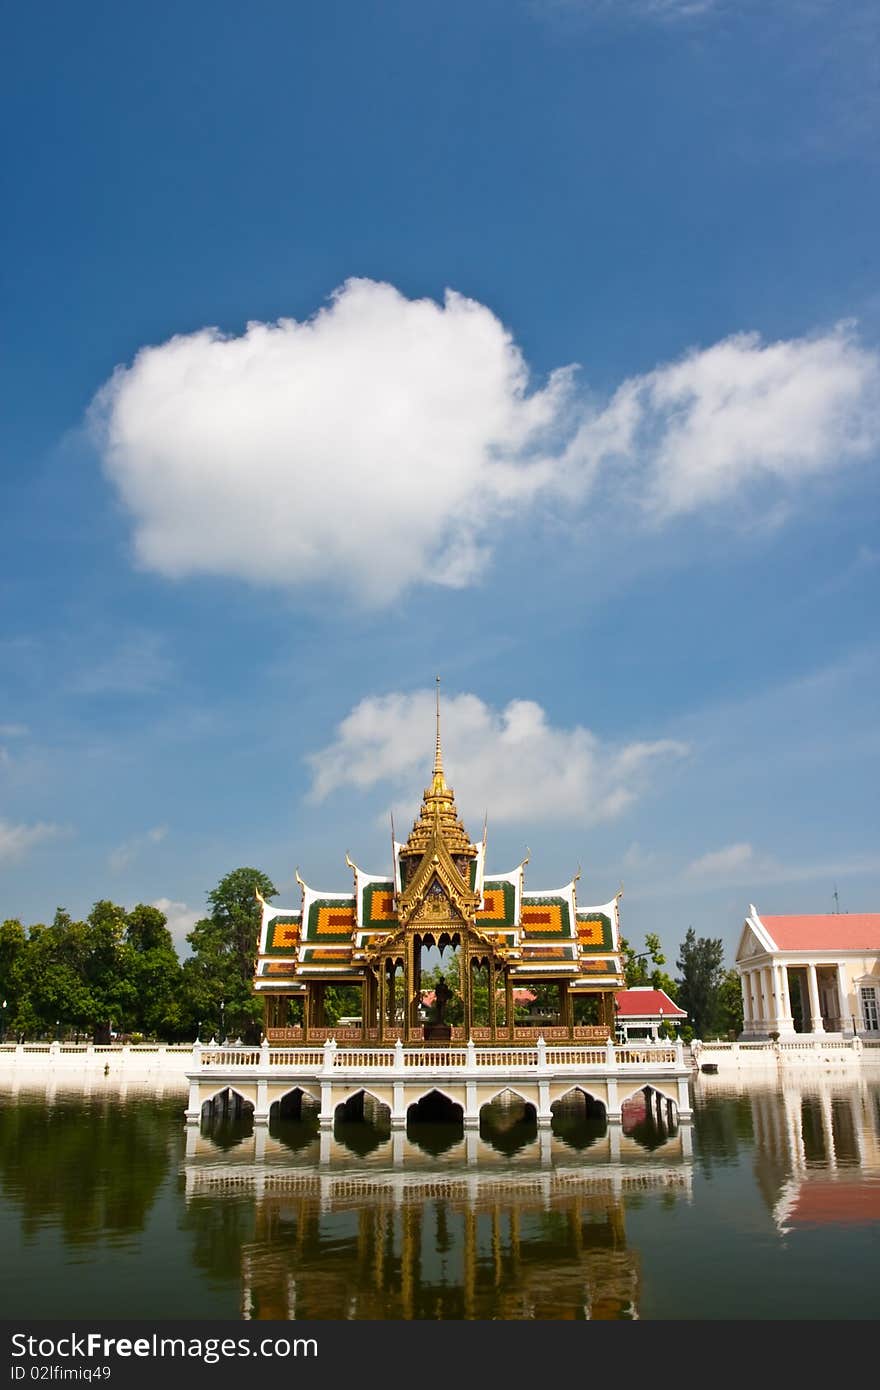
x,y
295,1104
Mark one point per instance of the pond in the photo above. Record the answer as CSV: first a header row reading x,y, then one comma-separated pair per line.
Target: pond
x,y
111,1207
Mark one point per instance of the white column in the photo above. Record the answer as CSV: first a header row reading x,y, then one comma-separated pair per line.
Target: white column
x,y
747,1003
471,1109
816,1024
846,1013
398,1105
261,1110
756,1001
326,1114
786,1022
767,984
194,1108
612,1108
545,1115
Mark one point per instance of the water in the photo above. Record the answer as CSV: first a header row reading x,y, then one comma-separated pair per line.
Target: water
x,y
769,1209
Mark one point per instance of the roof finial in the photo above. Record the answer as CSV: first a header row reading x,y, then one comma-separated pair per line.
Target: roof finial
x,y
438,755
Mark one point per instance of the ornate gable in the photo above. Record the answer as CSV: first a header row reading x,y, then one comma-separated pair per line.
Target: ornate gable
x,y
438,860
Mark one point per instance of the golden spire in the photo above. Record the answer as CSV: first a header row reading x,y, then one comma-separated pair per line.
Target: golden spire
x,y
438,780
438,851
438,803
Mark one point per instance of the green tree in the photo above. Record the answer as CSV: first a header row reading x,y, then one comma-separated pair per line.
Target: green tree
x,y
154,973
218,977
13,946
106,970
53,978
638,971
702,970
342,1001
729,1017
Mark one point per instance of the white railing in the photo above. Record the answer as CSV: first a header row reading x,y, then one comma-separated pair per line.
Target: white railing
x,y
331,1058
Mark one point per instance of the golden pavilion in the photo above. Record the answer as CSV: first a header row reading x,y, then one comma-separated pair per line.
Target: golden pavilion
x,y
524,963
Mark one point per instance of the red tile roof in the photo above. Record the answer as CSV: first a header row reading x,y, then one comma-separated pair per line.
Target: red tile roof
x,y
646,1003
845,931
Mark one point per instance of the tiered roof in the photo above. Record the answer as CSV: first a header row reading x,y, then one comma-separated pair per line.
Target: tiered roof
x,y
334,935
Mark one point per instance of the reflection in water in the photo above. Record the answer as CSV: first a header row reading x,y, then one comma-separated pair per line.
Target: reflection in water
x,y
288,1220
90,1166
508,1123
649,1119
436,1243
579,1119
815,1150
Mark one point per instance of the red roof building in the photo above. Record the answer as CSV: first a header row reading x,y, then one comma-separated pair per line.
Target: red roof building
x,y
641,1011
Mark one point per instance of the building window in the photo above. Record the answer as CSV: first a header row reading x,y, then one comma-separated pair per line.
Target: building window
x,y
870,1012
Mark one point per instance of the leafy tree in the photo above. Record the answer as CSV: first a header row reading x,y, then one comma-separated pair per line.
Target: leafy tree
x,y
342,1001
106,972
700,963
154,973
638,971
729,1017
53,978
224,945
13,945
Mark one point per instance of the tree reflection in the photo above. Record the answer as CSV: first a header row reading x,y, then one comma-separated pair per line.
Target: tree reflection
x,y
91,1167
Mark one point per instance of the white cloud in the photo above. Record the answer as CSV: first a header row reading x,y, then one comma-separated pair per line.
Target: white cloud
x,y
721,863
379,444
123,854
18,840
13,730
511,762
694,432
372,444
181,919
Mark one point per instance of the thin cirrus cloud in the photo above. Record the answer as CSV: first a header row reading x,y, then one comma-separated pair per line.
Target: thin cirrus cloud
x,y
659,10
130,849
16,841
741,864
732,860
376,445
509,761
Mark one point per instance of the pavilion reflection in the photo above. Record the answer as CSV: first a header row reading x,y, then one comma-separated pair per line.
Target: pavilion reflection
x,y
415,1239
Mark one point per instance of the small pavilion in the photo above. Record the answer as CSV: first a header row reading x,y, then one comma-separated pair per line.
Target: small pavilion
x,y
439,896
642,1011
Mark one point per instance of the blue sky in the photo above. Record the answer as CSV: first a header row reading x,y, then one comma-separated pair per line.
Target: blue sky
x,y
535,343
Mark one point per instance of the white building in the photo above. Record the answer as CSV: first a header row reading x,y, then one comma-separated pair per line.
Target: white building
x,y
811,974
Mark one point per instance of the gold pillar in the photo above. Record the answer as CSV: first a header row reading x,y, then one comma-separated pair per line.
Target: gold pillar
x,y
566,1010
493,1002
408,989
465,980
391,989
307,1012
382,990
508,1002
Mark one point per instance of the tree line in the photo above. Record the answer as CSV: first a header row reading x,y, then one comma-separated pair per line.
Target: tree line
x,y
709,994
118,973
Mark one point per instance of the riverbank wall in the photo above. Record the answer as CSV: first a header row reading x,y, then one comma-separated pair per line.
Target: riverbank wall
x,y
37,1062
